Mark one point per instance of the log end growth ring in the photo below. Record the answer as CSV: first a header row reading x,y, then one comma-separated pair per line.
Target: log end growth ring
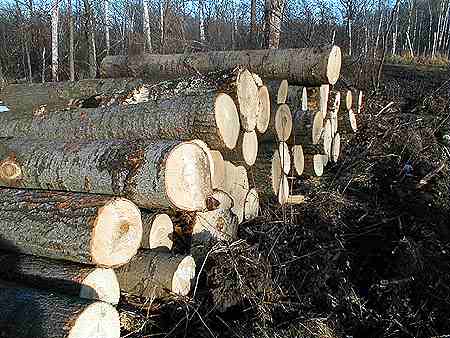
x,y
283,122
101,284
97,320
184,276
188,177
334,65
263,118
117,233
227,120
10,171
247,93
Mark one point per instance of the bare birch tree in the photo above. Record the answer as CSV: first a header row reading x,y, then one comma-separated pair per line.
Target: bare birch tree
x,y
55,20
148,38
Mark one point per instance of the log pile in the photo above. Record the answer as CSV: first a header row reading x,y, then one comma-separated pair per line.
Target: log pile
x,y
101,180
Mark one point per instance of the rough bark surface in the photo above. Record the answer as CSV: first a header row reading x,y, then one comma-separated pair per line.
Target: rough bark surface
x,y
30,313
49,223
135,170
307,66
28,98
43,273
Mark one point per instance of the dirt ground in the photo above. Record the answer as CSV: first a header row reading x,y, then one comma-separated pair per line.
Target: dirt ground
x,y
366,255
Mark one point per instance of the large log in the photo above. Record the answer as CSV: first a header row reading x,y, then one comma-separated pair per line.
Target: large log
x,y
32,313
207,116
81,228
280,124
263,117
246,149
307,127
307,66
219,224
28,98
153,174
157,274
157,231
69,278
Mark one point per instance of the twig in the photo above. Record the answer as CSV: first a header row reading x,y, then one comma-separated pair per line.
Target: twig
x,y
385,108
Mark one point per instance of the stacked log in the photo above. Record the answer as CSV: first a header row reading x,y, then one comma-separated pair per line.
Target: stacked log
x,y
100,178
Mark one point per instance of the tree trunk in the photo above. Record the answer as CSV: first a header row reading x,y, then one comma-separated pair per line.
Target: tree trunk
x,y
307,66
71,42
156,274
107,38
274,17
31,313
29,98
347,122
81,228
69,278
313,165
201,16
147,32
158,174
55,19
280,125
253,29
91,39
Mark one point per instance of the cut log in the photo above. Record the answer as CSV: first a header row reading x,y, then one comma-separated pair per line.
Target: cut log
x,y
263,118
349,100
313,165
347,122
314,99
327,137
159,174
219,224
283,191
333,103
276,172
81,228
324,97
28,98
157,231
280,126
304,99
295,199
218,177
248,99
282,92
285,157
251,206
336,148
259,82
298,160
237,186
207,116
69,278
307,127
32,313
157,274
224,199
360,102
325,160
246,149
307,66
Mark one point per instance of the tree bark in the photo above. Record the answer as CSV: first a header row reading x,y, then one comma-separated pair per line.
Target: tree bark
x,y
91,39
31,313
157,275
28,98
253,29
71,42
55,19
148,38
158,174
274,16
77,227
69,278
307,66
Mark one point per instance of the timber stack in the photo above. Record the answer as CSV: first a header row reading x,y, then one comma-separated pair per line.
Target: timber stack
x,y
99,178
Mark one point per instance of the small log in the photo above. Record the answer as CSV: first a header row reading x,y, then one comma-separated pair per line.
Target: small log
x,y
219,224
280,126
69,278
157,274
248,100
313,165
347,122
246,149
81,228
361,102
325,160
32,313
283,190
298,160
224,199
307,66
295,199
208,116
157,231
218,176
276,172
263,118
307,127
349,100
265,169
251,205
48,97
294,97
285,157
159,174
278,91
237,186
336,148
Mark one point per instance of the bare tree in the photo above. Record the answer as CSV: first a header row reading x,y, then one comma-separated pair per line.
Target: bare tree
x,y
71,42
148,38
201,15
273,18
55,20
91,39
253,23
107,37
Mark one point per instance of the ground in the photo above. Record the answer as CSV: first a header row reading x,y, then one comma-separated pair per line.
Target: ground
x,y
366,255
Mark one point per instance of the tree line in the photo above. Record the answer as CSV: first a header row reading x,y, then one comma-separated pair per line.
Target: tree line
x,y
54,40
